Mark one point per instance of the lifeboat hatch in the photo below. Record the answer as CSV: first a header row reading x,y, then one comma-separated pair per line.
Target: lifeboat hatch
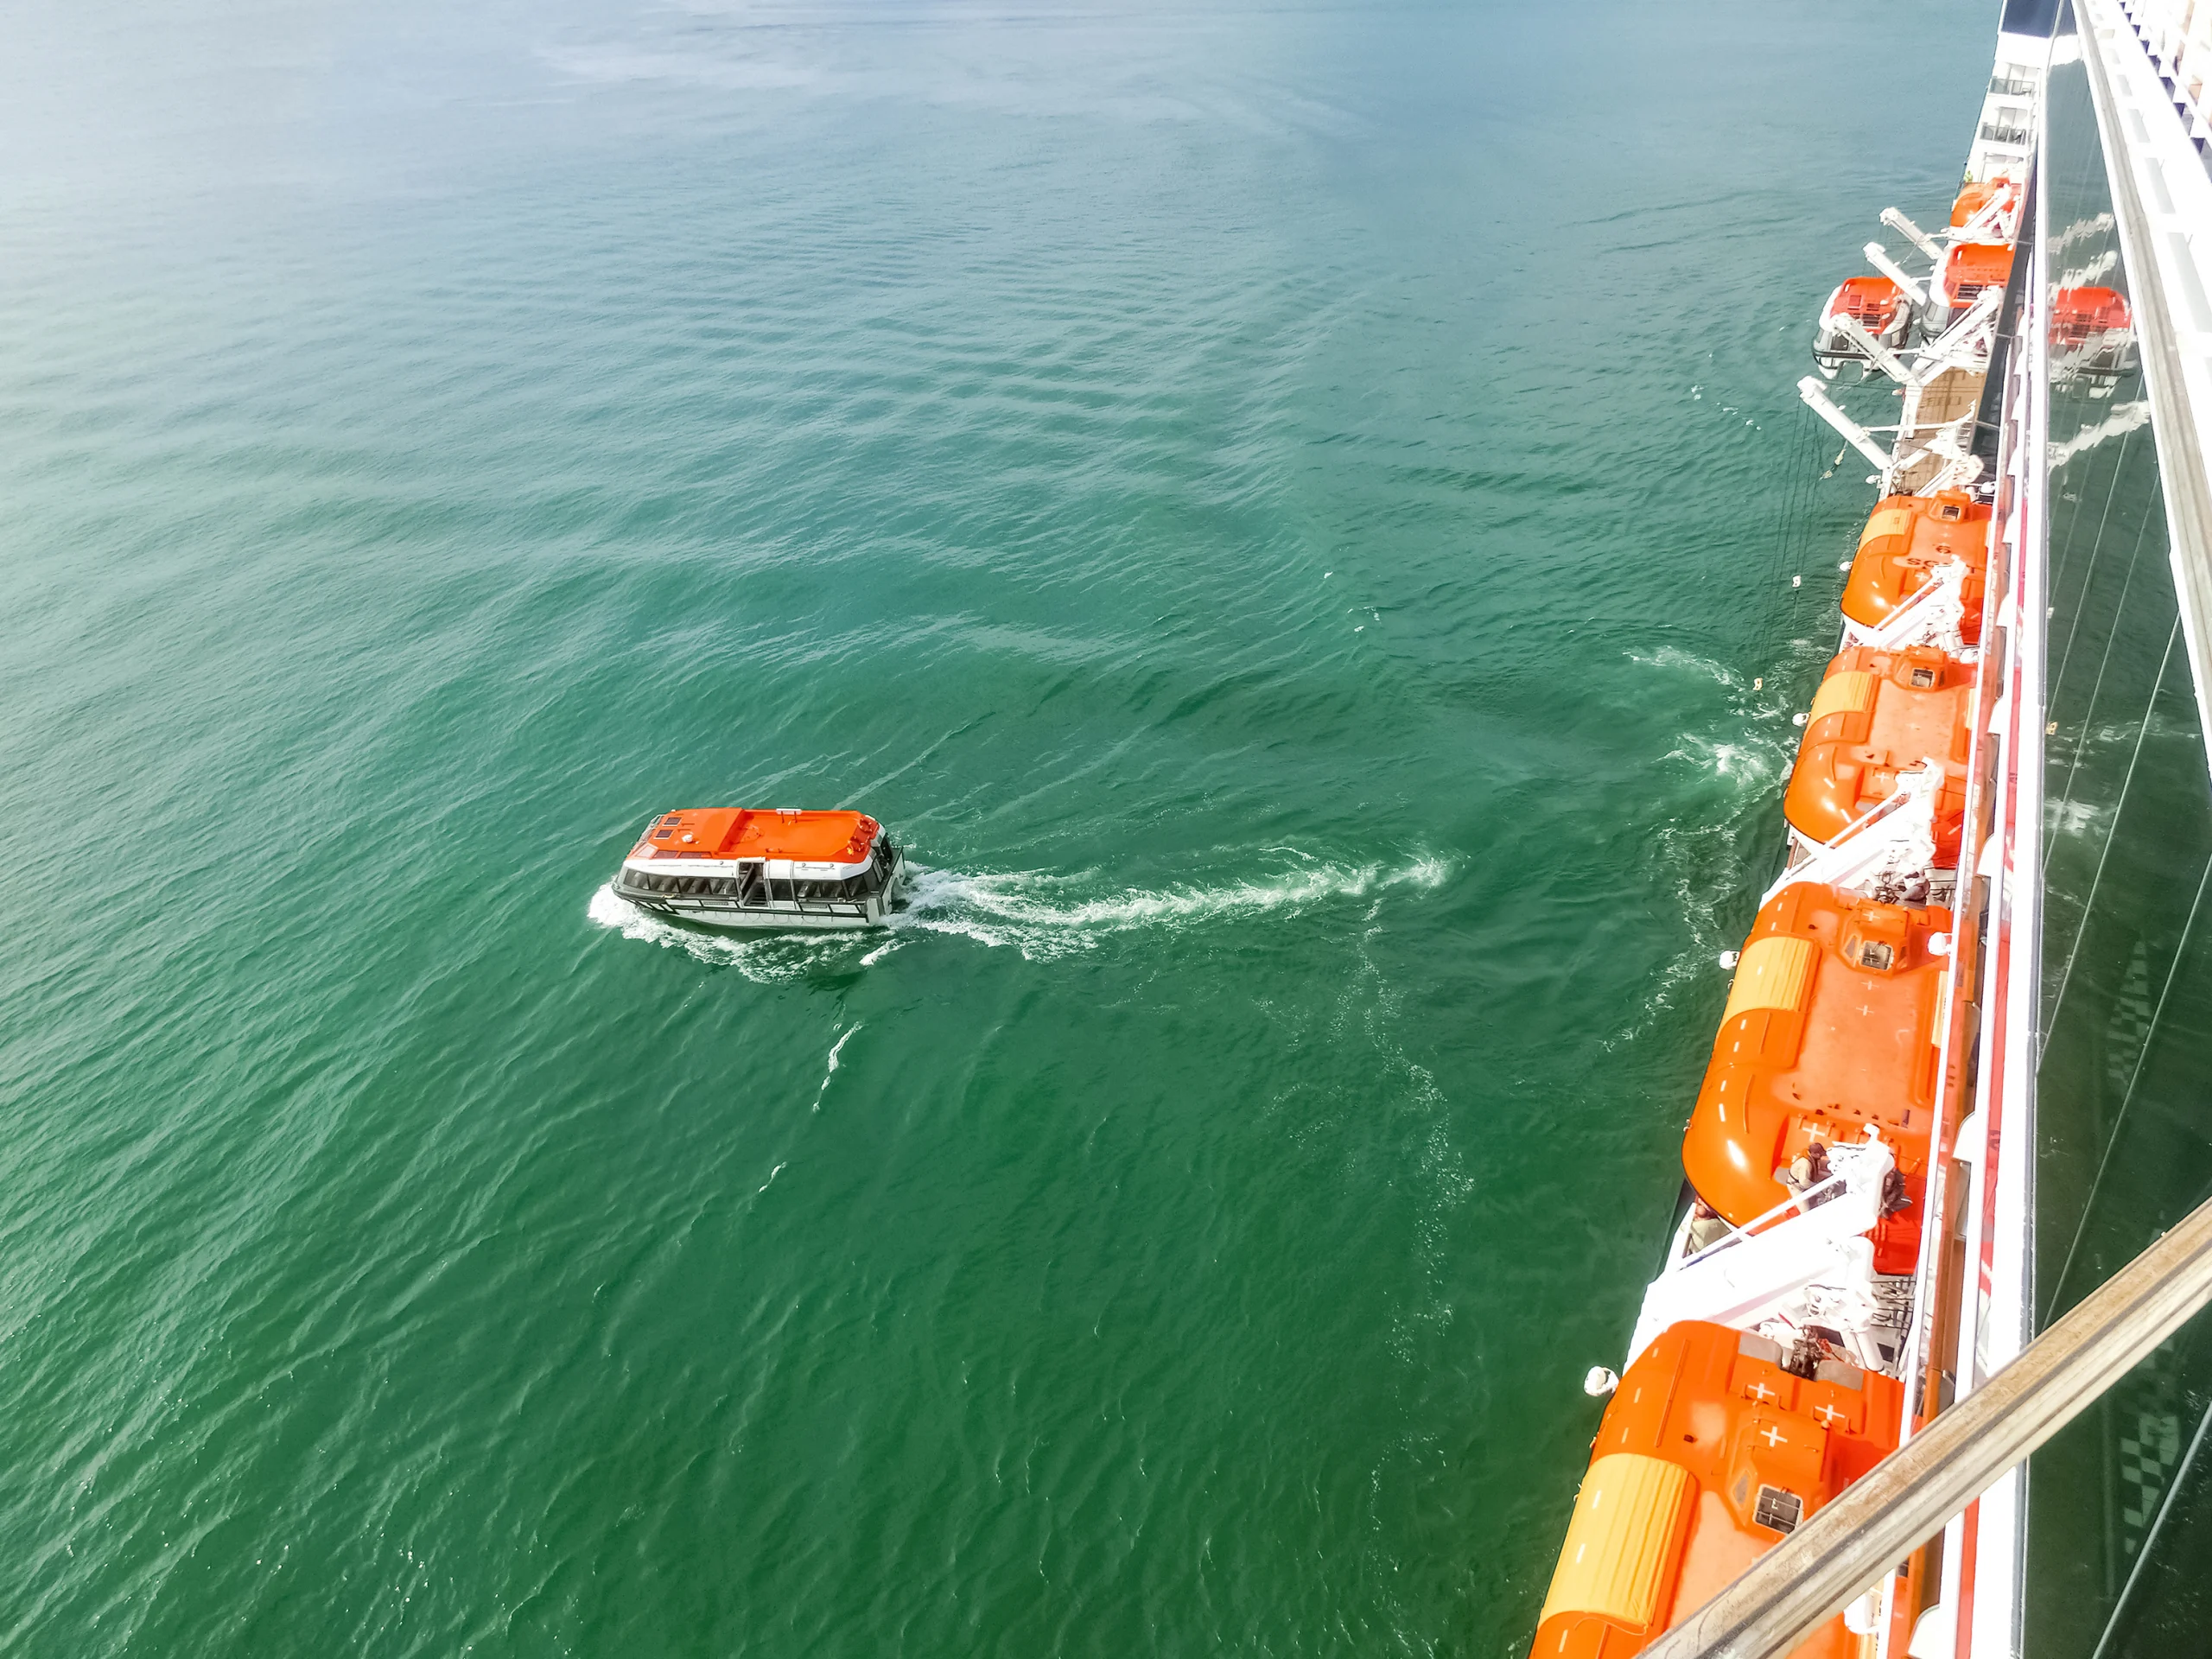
x,y
1778,1510
1869,953
1922,679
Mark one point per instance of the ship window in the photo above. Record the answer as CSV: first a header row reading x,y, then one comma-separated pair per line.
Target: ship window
x,y
1949,510
1874,954
1922,679
1777,1510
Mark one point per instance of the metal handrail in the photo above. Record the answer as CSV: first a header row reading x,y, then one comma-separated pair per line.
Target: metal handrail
x,y
1847,1544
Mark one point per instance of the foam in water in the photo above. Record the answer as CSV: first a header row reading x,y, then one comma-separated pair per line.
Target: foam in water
x,y
1040,915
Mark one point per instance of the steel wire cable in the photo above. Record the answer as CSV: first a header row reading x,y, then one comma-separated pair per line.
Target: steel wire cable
x,y
2059,574
2119,610
2127,1098
2088,904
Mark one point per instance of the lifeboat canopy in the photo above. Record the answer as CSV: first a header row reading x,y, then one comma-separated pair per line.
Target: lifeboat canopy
x,y
1975,201
1878,715
1831,1029
1711,1452
1907,540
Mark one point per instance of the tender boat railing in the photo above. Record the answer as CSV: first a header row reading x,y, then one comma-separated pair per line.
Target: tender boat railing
x,y
755,893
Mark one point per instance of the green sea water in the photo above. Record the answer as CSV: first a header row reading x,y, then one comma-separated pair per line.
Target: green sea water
x,y
1292,513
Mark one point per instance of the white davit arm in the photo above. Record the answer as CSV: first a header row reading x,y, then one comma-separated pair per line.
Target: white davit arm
x,y
1958,341
1881,261
1880,355
1933,616
1897,838
1855,434
1819,1255
1920,238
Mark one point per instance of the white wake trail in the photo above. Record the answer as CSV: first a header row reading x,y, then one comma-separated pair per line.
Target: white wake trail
x,y
1039,914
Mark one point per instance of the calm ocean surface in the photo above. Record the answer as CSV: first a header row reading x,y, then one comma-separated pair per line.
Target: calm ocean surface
x,y
1287,511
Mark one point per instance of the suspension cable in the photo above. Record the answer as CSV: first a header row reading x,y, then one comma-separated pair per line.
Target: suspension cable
x,y
2112,1137
2088,904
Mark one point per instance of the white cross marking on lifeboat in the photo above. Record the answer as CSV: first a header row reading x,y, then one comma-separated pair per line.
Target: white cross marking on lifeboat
x,y
1774,1437
1830,1417
1760,1392
1866,1007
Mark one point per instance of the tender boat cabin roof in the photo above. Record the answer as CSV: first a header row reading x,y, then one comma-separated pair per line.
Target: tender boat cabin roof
x,y
727,832
1970,267
1709,1453
1830,1029
1875,301
1876,714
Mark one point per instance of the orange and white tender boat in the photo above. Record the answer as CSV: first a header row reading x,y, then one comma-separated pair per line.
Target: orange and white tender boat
x,y
779,868
1711,1452
1987,210
1968,269
1877,305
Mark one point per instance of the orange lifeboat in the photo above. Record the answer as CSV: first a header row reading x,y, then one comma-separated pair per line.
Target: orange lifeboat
x,y
1904,542
777,867
1971,267
1974,199
1710,1452
1876,714
1876,304
1831,1029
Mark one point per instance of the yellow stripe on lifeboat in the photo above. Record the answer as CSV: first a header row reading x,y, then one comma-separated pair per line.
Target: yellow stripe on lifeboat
x,y
1831,1027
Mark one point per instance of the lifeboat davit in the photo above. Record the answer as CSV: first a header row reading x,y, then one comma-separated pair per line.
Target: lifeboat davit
x,y
1831,1029
1968,268
2091,334
1709,1455
1976,200
1877,715
1906,540
1876,304
780,867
